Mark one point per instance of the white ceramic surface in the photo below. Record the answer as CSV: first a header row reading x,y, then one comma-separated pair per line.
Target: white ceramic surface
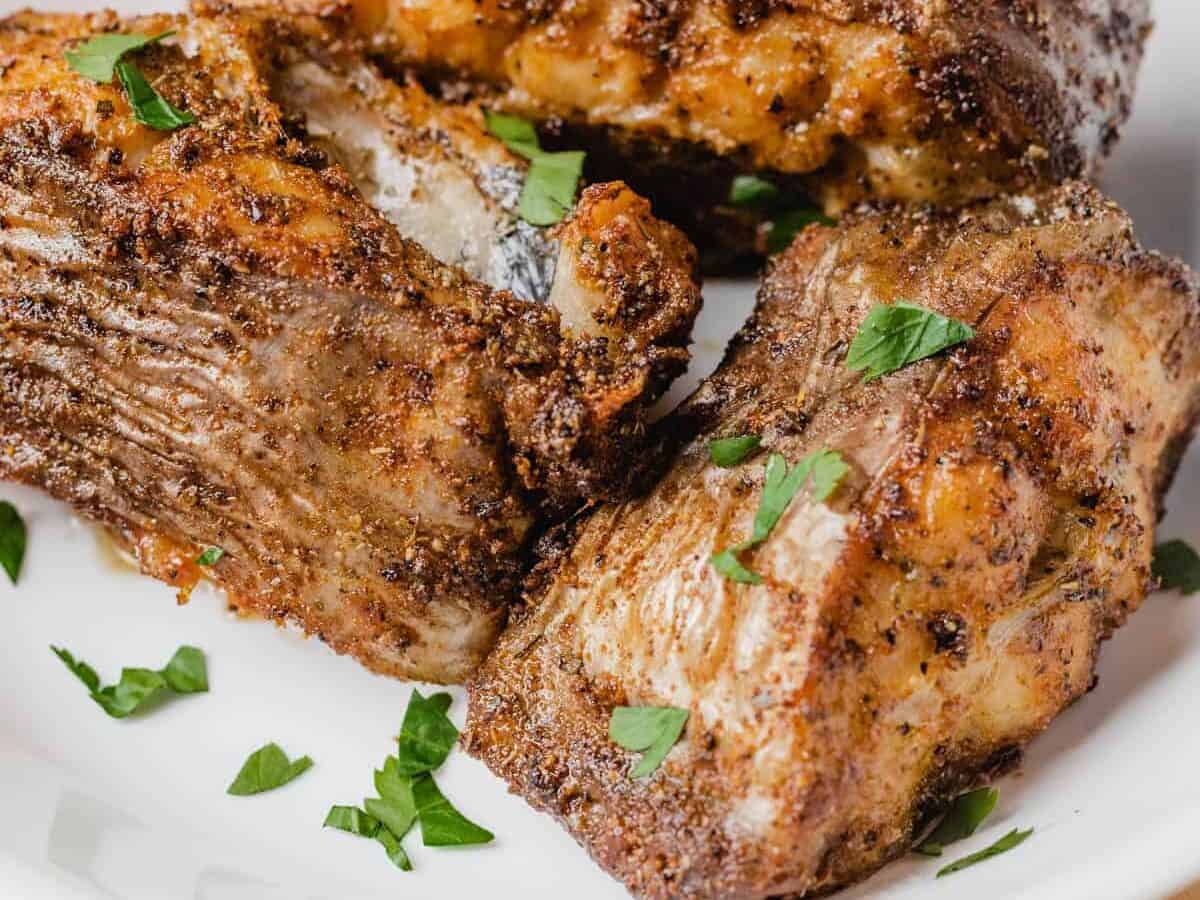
x,y
136,810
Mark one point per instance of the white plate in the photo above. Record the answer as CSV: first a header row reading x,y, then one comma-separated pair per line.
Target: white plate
x,y
137,810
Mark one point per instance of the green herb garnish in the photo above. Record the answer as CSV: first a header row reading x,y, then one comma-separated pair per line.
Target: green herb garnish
x,y
786,225
12,540
892,337
1177,567
149,106
729,452
1006,843
427,735
100,58
652,730
961,820
210,556
355,821
752,191
553,178
97,58
186,673
441,824
789,213
265,769
780,485
406,789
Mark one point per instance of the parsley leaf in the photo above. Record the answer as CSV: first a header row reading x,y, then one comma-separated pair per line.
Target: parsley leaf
x,y
441,824
780,485
550,187
961,820
12,540
210,557
752,192
1177,567
786,225
727,563
186,673
1006,843
427,735
892,337
728,452
553,178
149,106
407,793
266,769
653,729
789,212
355,821
517,134
98,56
395,806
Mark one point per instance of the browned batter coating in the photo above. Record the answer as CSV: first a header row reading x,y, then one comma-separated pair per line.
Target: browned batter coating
x,y
208,338
847,99
912,633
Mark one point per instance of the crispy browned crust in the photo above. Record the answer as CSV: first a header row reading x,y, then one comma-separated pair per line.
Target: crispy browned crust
x,y
894,99
912,634
207,338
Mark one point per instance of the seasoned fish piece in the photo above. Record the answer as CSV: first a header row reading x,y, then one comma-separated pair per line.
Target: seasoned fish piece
x,y
209,339
901,99
914,631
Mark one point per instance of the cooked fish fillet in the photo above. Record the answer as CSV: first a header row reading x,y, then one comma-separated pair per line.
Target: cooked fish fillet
x,y
209,338
901,99
912,633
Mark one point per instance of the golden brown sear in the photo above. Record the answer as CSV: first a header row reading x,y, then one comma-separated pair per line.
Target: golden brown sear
x,y
901,99
210,338
913,632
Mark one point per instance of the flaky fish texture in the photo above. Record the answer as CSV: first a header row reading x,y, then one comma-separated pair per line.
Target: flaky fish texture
x,y
209,338
913,632
900,99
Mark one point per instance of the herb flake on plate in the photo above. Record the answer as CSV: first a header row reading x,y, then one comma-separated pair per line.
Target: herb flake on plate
x,y
186,673
1013,839
961,820
12,540
651,730
266,769
1177,567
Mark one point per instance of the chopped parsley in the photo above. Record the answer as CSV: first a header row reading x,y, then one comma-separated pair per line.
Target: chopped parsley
x,y
407,793
427,735
186,673
961,820
265,769
12,540
892,337
780,485
1013,839
788,213
101,57
210,557
729,452
1177,567
553,178
651,730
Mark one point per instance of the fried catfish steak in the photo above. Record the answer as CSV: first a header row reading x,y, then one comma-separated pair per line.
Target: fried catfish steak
x,y
912,632
845,99
208,338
